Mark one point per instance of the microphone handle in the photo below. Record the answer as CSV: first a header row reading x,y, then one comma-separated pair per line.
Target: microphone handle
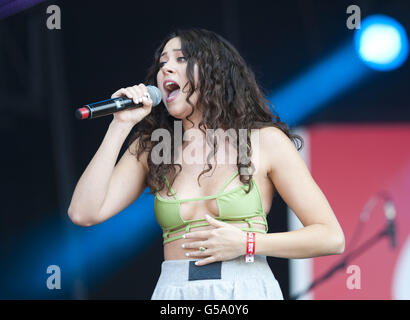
x,y
105,107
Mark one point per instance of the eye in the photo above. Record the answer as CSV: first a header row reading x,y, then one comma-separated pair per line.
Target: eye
x,y
161,64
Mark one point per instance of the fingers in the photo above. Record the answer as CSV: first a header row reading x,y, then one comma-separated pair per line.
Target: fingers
x,y
198,234
121,93
138,94
212,221
198,253
196,244
205,261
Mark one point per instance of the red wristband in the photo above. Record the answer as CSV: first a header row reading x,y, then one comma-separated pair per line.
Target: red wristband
x,y
250,246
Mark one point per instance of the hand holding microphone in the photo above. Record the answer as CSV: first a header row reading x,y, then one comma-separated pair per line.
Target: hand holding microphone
x,y
128,105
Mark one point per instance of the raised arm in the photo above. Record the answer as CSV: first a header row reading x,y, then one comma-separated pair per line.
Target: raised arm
x,y
104,188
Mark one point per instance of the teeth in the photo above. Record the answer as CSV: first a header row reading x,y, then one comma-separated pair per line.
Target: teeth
x,y
169,83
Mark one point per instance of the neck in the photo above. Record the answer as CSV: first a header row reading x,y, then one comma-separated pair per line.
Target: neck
x,y
193,122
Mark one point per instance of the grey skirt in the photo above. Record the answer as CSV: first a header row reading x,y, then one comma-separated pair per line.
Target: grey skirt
x,y
227,280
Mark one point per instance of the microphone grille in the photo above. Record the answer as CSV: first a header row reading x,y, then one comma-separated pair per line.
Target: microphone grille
x,y
155,95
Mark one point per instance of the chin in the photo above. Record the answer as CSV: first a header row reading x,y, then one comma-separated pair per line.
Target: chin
x,y
178,111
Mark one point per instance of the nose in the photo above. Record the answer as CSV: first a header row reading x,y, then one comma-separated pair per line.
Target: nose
x,y
168,68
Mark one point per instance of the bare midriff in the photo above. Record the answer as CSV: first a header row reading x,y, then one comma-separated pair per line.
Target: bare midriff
x,y
174,251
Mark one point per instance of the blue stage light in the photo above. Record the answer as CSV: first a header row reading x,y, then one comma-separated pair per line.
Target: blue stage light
x,y
382,43
82,253
311,90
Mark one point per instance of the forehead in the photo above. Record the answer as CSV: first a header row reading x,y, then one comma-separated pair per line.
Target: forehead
x,y
174,43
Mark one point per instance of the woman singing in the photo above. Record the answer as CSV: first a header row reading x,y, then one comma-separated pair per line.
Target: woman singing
x,y
212,212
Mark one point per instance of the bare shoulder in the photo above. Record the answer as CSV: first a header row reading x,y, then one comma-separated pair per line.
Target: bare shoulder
x,y
275,147
274,135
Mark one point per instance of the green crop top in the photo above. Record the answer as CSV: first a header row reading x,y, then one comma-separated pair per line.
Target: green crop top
x,y
234,206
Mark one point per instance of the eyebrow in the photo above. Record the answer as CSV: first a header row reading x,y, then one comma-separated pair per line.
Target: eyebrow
x,y
164,53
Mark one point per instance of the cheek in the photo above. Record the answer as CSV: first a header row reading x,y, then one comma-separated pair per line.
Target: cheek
x,y
196,74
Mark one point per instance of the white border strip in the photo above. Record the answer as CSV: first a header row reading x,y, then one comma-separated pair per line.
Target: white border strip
x,y
300,270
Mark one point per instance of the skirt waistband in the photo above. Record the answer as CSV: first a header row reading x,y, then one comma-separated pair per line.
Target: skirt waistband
x,y
179,271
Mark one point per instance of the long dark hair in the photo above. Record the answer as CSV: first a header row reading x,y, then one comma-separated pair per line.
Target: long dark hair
x,y
228,97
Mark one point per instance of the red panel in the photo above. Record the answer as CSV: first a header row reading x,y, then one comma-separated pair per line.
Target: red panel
x,y
351,163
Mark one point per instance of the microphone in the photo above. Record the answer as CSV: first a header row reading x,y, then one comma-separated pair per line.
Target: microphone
x,y
110,106
390,213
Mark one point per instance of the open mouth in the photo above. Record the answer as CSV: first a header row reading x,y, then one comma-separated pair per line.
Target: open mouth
x,y
172,90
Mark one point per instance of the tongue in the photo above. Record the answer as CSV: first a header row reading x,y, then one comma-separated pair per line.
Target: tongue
x,y
173,93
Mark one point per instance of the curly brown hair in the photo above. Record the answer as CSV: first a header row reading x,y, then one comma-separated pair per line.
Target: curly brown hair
x,y
228,98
